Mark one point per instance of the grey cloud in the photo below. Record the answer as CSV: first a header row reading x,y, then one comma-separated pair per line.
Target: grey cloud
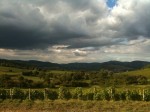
x,y
22,26
136,23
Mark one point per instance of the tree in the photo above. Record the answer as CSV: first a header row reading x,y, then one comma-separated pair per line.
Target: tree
x,y
5,81
142,80
47,80
21,81
105,77
136,80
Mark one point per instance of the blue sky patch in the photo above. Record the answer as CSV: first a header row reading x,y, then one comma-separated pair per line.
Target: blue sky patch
x,y
111,3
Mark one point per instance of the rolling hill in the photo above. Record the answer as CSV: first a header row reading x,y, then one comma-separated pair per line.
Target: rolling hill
x,y
115,66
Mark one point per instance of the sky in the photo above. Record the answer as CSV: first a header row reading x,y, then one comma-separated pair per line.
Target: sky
x,y
111,3
66,31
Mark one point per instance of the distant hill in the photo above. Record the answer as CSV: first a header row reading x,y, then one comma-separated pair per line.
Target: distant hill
x,y
115,66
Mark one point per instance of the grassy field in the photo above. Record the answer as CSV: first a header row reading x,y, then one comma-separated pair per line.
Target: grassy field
x,y
15,72
73,106
143,72
59,72
10,70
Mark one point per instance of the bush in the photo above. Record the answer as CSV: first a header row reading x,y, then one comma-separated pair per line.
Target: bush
x,y
106,95
97,96
3,94
64,93
147,95
37,95
52,95
123,95
78,93
134,95
79,84
18,94
88,96
27,73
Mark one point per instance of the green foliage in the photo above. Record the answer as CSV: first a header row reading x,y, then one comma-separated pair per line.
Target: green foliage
x,y
97,96
134,95
37,95
136,80
146,95
40,78
64,93
18,94
88,96
52,95
122,95
3,94
27,73
78,93
5,81
79,84
105,95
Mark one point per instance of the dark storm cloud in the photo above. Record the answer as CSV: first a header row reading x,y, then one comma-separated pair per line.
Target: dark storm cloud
x,y
22,26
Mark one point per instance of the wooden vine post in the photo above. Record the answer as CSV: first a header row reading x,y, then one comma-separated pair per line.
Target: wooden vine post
x,y
29,94
44,94
143,94
11,93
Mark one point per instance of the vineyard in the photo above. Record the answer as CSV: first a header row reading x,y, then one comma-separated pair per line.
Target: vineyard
x,y
63,93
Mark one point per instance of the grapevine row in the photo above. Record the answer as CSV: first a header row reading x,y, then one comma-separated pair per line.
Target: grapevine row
x,y
78,93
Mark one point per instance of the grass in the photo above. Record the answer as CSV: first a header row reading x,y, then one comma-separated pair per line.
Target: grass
x,y
10,70
143,72
60,72
15,72
35,79
74,106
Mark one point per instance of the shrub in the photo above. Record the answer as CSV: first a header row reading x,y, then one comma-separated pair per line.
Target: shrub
x,y
64,93
106,95
97,96
88,96
78,93
37,95
147,95
18,94
3,94
52,95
